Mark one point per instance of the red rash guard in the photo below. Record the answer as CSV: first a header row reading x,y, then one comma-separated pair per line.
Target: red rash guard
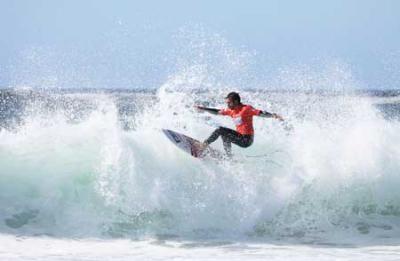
x,y
242,117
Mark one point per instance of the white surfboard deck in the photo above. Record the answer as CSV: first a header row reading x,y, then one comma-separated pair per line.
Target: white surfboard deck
x,y
191,146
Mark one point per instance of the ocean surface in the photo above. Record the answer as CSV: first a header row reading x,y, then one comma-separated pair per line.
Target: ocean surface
x,y
88,175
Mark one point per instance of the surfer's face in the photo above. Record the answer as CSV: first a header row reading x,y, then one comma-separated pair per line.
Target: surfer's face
x,y
231,103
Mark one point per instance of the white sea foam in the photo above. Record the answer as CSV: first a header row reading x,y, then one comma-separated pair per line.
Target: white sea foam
x,y
332,172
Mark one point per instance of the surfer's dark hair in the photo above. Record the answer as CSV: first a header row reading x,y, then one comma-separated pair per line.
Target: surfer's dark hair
x,y
234,96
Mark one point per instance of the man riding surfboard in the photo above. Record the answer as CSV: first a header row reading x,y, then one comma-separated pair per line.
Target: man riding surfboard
x,y
242,116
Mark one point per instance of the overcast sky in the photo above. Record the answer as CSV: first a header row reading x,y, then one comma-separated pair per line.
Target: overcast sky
x,y
121,43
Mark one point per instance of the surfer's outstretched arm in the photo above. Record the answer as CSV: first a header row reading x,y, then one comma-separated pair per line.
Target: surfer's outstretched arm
x,y
270,115
210,110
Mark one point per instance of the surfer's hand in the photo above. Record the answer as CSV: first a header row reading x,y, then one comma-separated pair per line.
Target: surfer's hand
x,y
277,116
199,108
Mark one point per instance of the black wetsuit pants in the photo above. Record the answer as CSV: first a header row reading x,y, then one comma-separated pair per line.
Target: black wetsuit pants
x,y
228,137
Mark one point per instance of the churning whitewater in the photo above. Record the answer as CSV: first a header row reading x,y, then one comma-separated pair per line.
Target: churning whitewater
x,y
96,164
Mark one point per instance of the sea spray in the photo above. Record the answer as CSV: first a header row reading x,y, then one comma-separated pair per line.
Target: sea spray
x,y
334,172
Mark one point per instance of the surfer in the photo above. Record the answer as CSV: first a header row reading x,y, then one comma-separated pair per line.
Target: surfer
x,y
242,115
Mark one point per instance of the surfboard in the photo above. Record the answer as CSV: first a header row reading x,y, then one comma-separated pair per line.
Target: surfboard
x,y
191,146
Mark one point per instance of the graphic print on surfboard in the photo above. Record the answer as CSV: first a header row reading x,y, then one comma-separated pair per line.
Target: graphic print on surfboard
x,y
190,145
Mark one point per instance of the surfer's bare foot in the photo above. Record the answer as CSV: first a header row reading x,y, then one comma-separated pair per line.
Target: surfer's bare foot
x,y
202,145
